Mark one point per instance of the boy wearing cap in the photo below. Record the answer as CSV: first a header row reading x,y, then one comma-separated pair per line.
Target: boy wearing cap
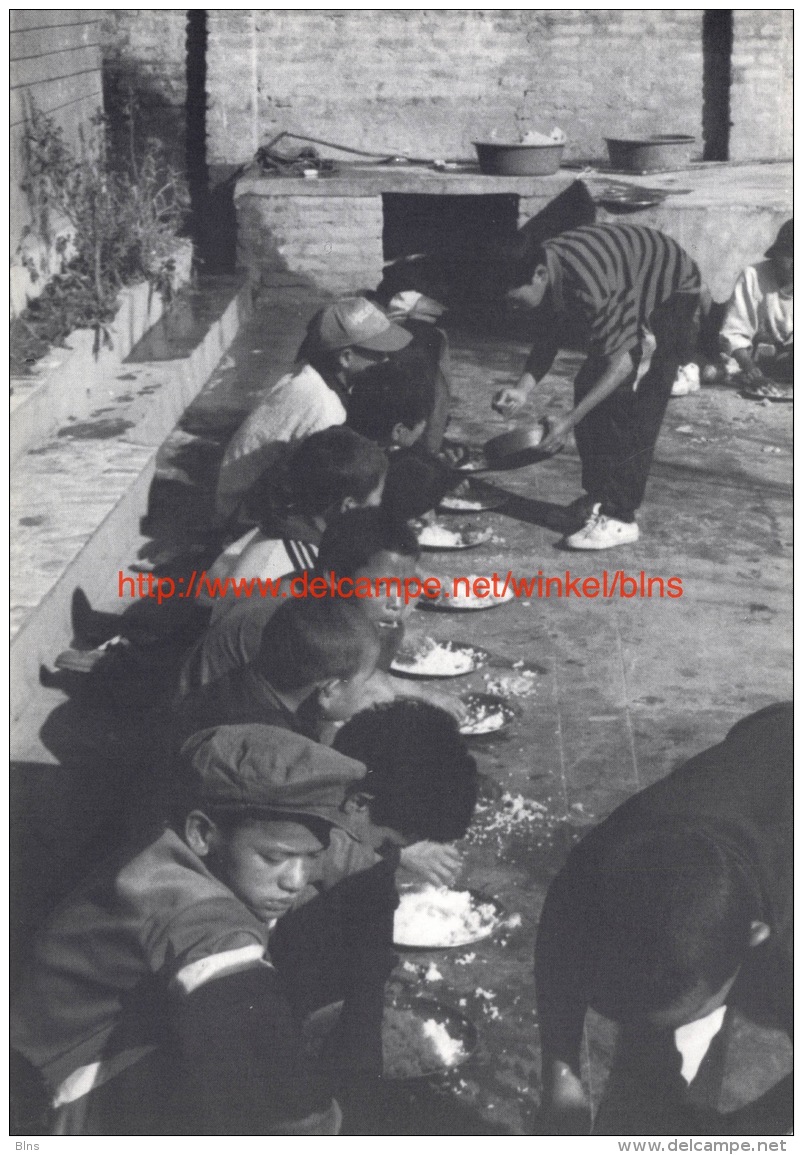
x,y
342,339
760,313
153,1006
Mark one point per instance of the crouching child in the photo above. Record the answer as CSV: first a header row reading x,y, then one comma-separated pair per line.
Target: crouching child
x,y
154,1005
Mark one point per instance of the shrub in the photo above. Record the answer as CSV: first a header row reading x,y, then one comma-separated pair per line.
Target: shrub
x,y
111,221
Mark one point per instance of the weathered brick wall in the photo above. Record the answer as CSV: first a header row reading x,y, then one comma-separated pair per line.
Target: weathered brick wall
x,y
335,241
428,82
54,62
145,51
761,84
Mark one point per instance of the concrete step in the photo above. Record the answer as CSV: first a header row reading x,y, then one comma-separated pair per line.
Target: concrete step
x,y
77,499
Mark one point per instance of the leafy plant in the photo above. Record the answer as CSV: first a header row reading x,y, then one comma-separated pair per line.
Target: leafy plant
x,y
109,220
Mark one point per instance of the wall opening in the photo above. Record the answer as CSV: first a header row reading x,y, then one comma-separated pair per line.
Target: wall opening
x,y
717,48
445,225
213,217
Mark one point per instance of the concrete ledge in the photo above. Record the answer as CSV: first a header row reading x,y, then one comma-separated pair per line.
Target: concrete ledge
x,y
77,500
69,382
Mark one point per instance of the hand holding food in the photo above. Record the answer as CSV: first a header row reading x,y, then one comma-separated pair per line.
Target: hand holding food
x,y
509,400
435,862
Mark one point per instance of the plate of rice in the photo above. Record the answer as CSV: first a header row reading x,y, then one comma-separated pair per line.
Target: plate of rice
x,y
421,1037
463,597
473,497
486,715
424,1037
431,659
440,537
434,917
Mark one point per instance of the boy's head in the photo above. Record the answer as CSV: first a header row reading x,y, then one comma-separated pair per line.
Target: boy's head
x,y
421,781
327,473
782,254
680,913
260,803
391,404
368,544
323,647
517,269
351,335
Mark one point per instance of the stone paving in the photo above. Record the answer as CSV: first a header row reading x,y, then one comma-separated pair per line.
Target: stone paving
x,y
620,691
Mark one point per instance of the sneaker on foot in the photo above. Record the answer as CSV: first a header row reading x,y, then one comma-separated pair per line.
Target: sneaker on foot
x,y
602,532
577,513
687,380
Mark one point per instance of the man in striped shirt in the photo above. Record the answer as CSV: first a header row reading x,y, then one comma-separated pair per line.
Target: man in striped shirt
x,y
606,287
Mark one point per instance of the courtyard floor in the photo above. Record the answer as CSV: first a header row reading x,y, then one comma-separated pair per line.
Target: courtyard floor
x,y
613,692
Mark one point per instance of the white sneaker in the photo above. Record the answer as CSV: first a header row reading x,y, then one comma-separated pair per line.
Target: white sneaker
x,y
687,380
601,532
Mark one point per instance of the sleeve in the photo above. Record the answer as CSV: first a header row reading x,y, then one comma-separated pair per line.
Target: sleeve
x,y
564,951
241,1067
208,924
741,321
367,903
544,350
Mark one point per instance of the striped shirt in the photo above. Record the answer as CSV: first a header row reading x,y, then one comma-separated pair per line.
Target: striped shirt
x,y
611,278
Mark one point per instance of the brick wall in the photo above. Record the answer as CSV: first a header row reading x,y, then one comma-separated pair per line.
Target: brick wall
x,y
335,241
55,62
145,50
761,84
428,82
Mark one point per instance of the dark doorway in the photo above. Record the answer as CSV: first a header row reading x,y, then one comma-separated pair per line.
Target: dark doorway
x,y
445,225
214,221
717,46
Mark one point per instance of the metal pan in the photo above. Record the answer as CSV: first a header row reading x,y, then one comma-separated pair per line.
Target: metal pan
x,y
518,448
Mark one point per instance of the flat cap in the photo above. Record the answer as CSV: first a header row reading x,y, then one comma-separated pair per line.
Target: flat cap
x,y
269,768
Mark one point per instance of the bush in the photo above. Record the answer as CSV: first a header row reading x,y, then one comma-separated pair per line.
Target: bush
x,y
110,221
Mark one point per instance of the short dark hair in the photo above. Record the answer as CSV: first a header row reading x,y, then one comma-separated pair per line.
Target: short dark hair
x,y
322,471
514,261
677,905
421,778
386,394
308,640
352,538
417,481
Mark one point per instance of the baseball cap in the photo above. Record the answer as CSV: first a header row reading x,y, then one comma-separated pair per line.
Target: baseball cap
x,y
784,243
267,767
354,321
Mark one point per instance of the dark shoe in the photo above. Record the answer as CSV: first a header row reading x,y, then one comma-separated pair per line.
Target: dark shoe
x,y
84,661
91,626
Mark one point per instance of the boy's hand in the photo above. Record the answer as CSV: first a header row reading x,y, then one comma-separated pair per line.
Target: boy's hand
x,y
509,400
565,1108
435,862
558,430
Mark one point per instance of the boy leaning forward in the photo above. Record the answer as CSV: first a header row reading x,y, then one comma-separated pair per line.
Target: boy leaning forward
x,y
157,1003
605,288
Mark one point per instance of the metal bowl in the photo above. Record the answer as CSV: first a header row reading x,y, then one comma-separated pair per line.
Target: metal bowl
x,y
477,705
519,159
657,153
517,448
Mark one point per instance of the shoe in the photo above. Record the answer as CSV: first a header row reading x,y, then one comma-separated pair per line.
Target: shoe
x,y
577,513
84,661
602,532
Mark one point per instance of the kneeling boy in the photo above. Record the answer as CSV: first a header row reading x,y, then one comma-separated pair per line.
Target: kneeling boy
x,y
678,905
153,1006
